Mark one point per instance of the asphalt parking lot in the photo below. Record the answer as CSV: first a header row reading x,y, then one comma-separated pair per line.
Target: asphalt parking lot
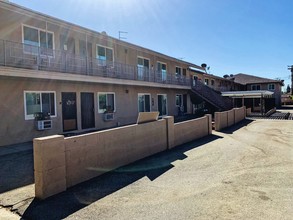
x,y
244,172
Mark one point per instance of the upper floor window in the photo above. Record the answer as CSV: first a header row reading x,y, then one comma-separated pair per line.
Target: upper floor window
x,y
255,87
34,38
104,54
144,102
143,66
206,82
271,87
162,69
35,101
184,72
178,71
106,102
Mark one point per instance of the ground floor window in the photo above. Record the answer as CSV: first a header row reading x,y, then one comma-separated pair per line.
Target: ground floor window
x,y
106,102
36,101
144,102
162,104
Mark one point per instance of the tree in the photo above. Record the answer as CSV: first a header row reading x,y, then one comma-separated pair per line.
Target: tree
x,y
288,89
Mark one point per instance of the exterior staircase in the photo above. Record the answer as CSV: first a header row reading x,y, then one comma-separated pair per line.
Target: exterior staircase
x,y
211,96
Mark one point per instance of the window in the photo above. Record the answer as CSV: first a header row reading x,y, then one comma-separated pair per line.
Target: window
x,y
104,54
39,102
34,38
271,87
179,100
206,82
144,103
162,69
255,87
184,72
212,82
178,71
142,67
162,104
106,102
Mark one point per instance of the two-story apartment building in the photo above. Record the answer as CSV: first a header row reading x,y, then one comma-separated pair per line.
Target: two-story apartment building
x,y
78,78
257,90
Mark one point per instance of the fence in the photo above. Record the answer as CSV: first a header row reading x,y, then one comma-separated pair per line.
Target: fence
x,y
229,118
63,162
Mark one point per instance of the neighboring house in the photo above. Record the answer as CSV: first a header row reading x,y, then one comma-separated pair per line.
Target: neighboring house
x,y
260,88
78,80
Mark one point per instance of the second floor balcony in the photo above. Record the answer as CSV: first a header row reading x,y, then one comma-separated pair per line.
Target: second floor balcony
x,y
18,55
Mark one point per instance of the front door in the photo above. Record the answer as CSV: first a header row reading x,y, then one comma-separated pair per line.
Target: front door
x,y
69,113
87,110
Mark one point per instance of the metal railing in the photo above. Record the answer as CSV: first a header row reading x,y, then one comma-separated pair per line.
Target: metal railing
x,y
20,55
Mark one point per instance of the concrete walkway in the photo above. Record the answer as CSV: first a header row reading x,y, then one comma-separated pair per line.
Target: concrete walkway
x,y
245,172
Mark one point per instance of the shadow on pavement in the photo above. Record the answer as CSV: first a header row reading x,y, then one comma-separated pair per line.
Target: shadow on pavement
x,y
237,126
84,194
16,170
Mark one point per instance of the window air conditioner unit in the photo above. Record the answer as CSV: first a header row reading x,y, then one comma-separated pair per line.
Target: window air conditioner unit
x,y
108,116
43,125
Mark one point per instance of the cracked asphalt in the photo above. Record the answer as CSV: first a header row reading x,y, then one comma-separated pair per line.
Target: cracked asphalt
x,y
244,172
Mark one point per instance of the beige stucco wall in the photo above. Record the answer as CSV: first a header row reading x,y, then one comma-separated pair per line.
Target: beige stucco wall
x,y
11,23
92,154
15,129
63,162
229,118
190,130
240,114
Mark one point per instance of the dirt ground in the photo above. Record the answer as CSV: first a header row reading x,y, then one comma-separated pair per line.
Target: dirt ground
x,y
245,172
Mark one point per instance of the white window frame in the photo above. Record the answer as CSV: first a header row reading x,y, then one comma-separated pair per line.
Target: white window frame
x,y
31,116
271,85
181,100
39,39
106,93
166,104
101,61
143,94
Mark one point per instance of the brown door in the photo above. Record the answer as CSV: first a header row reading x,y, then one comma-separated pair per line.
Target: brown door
x,y
69,113
87,110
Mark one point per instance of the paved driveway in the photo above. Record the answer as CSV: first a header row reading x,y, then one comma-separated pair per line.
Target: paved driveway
x,y
241,173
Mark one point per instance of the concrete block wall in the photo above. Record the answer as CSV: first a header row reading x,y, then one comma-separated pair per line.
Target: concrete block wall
x,y
248,111
49,166
64,162
93,154
190,130
240,114
229,118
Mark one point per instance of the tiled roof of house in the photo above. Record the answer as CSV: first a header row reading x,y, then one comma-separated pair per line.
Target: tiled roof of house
x,y
245,79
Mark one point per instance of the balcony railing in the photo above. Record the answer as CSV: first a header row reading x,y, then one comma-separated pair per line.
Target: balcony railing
x,y
20,55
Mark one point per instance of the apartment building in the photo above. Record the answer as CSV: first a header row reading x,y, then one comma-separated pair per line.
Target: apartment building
x,y
60,78
57,77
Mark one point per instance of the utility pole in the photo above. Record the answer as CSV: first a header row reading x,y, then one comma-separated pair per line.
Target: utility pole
x,y
291,69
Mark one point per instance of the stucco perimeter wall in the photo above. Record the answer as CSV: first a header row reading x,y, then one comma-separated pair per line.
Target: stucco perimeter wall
x,y
190,130
229,118
93,154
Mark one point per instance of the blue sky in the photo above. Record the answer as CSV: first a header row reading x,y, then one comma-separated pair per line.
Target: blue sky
x,y
231,36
